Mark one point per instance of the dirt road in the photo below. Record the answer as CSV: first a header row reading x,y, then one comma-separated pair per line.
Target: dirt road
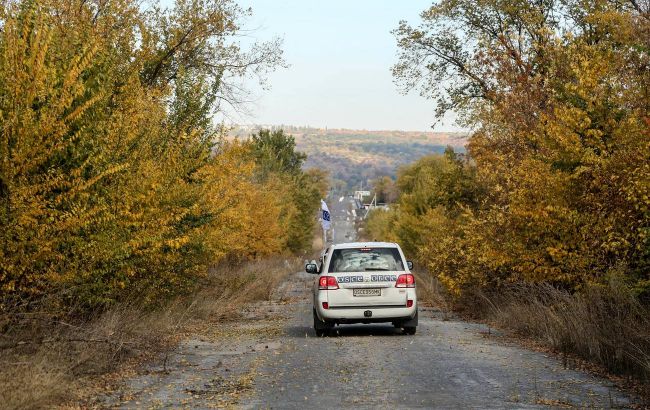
x,y
274,360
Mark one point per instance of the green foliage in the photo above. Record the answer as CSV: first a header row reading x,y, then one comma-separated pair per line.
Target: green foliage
x,y
277,159
385,189
307,187
276,152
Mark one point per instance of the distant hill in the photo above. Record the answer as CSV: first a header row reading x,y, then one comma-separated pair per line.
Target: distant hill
x,y
356,156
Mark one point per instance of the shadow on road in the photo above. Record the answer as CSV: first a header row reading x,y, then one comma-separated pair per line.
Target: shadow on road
x,y
346,331
366,330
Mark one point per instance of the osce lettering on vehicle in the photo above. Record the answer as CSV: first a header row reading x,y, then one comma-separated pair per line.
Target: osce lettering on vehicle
x,y
383,278
373,278
349,279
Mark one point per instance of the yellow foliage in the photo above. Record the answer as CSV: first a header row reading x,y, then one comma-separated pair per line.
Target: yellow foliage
x,y
113,183
560,159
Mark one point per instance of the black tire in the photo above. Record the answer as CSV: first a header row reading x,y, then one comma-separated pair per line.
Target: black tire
x,y
321,328
410,330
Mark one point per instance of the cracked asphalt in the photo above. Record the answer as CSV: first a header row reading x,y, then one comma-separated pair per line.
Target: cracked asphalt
x,y
273,360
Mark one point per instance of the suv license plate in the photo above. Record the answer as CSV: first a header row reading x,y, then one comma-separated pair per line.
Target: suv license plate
x,y
366,292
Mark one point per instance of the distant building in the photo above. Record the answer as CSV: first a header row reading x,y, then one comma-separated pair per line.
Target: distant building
x,y
359,195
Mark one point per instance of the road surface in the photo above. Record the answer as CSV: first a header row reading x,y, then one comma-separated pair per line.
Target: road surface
x,y
274,360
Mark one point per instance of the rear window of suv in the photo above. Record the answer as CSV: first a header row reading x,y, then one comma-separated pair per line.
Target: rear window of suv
x,y
365,259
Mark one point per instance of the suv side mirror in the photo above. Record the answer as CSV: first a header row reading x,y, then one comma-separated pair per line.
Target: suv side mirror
x,y
409,264
311,268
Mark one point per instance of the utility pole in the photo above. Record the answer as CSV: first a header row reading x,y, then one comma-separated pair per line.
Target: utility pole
x,y
370,206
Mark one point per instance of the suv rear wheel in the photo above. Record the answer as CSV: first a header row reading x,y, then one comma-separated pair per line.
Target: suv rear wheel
x,y
321,328
410,330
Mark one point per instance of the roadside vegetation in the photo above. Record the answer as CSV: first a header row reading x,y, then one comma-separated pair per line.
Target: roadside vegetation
x,y
118,194
544,224
58,361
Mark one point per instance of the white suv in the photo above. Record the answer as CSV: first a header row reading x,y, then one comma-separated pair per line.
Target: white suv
x,y
369,282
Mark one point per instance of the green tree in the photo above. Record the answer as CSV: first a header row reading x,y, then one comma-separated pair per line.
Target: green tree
x,y
385,189
276,152
277,158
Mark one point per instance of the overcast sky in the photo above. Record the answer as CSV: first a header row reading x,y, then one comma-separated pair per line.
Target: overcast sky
x,y
340,54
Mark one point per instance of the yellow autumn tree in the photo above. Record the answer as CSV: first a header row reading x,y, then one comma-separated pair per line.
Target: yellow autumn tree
x,y
114,182
559,109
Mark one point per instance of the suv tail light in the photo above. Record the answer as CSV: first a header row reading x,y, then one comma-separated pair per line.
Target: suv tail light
x,y
406,280
328,283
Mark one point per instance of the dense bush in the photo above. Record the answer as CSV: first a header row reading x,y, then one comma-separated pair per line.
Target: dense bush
x,y
113,181
556,186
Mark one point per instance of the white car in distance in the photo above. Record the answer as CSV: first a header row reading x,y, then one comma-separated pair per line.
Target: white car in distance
x,y
364,282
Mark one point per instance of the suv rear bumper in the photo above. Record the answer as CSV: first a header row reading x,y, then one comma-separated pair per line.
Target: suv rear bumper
x,y
358,314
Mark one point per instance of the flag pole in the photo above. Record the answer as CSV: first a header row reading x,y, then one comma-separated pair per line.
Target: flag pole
x,y
325,221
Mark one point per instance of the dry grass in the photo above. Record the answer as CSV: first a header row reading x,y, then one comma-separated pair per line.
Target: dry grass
x,y
603,325
227,291
46,361
431,292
